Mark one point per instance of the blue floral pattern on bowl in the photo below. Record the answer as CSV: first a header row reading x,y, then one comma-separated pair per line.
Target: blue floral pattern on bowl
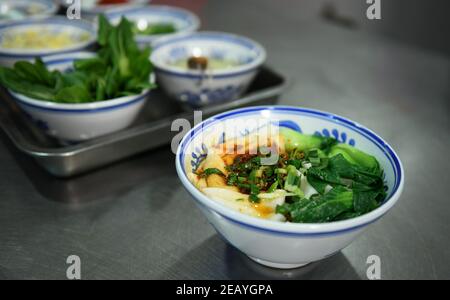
x,y
39,123
200,153
290,124
210,96
198,156
341,137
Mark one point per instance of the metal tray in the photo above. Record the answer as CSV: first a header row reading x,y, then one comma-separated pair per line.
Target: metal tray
x,y
152,129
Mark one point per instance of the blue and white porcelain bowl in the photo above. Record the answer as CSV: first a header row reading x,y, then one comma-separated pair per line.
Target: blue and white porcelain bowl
x,y
197,88
276,244
82,32
80,121
183,20
89,9
16,10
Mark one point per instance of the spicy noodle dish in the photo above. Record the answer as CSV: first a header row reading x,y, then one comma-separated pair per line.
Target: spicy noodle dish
x,y
310,179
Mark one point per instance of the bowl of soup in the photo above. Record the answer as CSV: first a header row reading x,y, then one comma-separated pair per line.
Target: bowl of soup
x,y
153,22
28,39
288,186
206,68
16,10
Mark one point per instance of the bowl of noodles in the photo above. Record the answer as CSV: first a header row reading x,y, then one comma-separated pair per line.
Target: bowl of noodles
x,y
288,186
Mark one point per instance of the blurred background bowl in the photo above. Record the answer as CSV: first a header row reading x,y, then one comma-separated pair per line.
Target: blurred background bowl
x,y
73,122
143,17
197,88
91,8
26,40
16,10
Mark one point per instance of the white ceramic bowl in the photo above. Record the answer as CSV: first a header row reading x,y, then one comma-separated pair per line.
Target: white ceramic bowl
x,y
77,29
287,245
77,122
30,9
91,8
183,20
196,88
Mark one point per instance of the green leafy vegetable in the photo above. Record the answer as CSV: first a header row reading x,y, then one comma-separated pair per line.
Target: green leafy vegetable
x,y
320,209
295,140
211,171
254,191
320,178
293,208
326,208
273,187
367,184
349,182
157,28
365,202
355,156
292,182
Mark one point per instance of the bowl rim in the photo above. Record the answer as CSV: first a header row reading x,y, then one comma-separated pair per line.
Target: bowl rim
x,y
230,72
51,9
55,20
148,9
104,105
97,9
291,229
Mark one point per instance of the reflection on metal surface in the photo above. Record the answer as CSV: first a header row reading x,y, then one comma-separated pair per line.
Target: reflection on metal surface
x,y
239,266
100,185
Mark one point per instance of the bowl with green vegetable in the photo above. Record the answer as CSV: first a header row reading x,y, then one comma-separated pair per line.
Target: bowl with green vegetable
x,y
83,95
154,22
288,185
206,67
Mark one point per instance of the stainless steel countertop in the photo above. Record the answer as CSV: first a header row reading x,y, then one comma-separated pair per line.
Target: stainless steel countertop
x,y
135,220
